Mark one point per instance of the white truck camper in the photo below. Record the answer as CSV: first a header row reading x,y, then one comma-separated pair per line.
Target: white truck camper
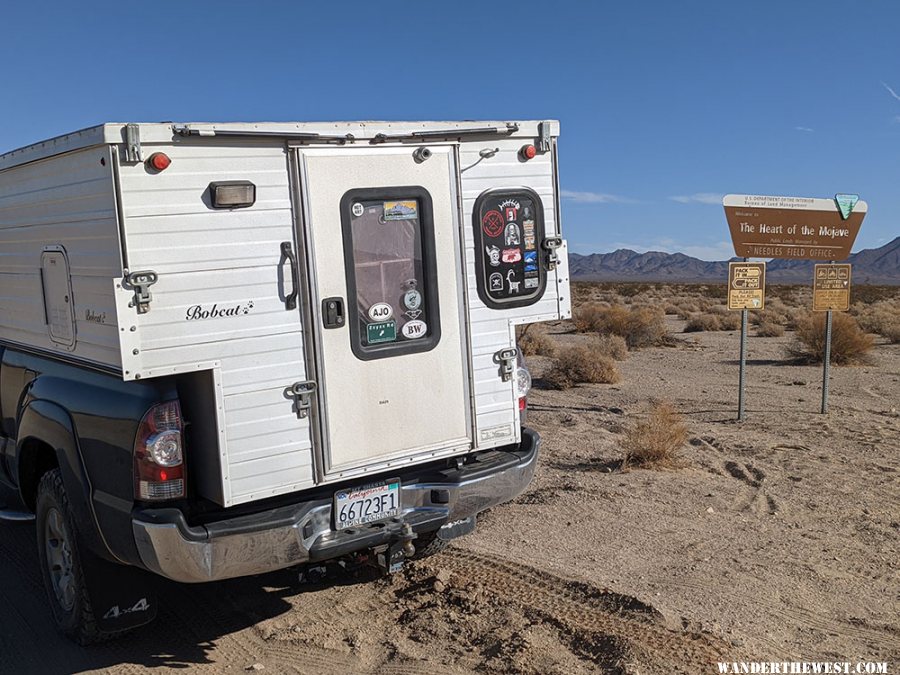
x,y
331,308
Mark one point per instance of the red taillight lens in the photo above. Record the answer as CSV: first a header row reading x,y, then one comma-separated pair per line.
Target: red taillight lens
x,y
523,403
528,152
159,454
159,161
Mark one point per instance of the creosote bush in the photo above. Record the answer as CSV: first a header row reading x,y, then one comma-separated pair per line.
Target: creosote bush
x,y
613,346
640,326
703,322
534,342
654,440
769,329
582,364
849,344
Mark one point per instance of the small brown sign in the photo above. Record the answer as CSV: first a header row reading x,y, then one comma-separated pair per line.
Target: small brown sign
x,y
831,288
797,228
746,285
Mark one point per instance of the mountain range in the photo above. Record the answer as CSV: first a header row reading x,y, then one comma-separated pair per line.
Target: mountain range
x,y
870,266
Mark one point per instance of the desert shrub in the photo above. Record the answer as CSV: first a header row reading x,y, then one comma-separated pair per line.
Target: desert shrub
x,y
849,344
703,322
644,327
715,290
672,310
769,329
868,294
538,343
730,321
613,346
654,440
879,318
776,316
892,333
581,363
686,310
587,316
718,310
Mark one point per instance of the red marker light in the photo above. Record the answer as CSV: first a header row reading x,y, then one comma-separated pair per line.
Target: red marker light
x,y
159,161
528,152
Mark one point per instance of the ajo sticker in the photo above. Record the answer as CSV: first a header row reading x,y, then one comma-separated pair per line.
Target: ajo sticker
x,y
414,329
381,311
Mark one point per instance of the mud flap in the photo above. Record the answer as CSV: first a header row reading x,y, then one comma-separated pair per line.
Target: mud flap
x,y
122,597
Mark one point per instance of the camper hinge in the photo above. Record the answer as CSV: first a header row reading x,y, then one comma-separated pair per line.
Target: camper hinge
x,y
550,244
302,392
140,283
507,360
133,144
543,142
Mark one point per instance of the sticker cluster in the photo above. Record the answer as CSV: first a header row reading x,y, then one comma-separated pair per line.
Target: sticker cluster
x,y
510,247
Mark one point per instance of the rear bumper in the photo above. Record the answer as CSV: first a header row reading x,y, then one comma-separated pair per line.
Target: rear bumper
x,y
446,500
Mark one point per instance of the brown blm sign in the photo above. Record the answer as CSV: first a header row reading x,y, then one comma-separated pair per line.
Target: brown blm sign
x,y
831,288
798,228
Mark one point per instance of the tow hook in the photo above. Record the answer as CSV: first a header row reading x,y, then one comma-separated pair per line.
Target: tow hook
x,y
391,559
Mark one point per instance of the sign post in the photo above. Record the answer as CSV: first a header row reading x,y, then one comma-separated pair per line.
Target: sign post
x,y
831,292
794,228
746,291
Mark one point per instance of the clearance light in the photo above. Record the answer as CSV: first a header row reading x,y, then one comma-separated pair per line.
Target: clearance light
x,y
528,152
232,194
159,161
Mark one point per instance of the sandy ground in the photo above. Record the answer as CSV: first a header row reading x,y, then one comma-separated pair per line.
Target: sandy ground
x,y
778,539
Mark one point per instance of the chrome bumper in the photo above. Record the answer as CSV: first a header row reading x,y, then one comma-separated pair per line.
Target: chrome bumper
x,y
302,532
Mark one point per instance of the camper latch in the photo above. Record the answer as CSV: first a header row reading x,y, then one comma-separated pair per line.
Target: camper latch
x,y
140,283
543,142
133,151
550,244
507,360
303,393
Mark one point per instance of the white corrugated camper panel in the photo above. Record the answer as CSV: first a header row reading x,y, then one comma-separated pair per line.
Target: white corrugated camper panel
x,y
219,298
496,410
66,201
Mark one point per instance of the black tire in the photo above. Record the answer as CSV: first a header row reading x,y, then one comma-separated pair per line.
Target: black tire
x,y
427,545
61,567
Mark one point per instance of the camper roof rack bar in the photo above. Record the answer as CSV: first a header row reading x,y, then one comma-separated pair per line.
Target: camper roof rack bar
x,y
298,135
414,136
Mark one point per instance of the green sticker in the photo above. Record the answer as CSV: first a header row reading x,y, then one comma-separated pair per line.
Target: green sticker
x,y
385,331
846,203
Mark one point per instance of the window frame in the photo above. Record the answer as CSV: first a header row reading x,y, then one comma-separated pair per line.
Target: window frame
x,y
429,272
540,233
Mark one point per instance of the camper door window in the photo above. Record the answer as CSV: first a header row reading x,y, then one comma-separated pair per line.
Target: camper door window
x,y
389,257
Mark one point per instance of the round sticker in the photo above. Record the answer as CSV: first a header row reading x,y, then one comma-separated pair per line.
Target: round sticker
x,y
492,223
412,299
358,209
414,329
381,311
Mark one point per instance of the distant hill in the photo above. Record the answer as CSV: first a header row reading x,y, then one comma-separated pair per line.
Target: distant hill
x,y
870,266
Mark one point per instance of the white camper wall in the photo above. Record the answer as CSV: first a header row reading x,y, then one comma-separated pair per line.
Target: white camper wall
x,y
496,411
227,259
65,201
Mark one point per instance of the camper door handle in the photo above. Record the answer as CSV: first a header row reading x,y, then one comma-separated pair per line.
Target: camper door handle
x,y
287,254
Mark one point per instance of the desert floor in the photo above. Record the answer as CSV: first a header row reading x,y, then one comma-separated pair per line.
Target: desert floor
x,y
777,539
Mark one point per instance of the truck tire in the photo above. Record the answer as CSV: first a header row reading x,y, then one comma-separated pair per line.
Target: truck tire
x,y
428,545
60,558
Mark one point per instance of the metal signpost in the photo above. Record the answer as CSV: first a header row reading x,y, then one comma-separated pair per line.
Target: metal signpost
x,y
831,292
793,228
746,291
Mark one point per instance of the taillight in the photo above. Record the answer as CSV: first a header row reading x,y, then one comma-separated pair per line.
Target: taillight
x,y
523,403
159,454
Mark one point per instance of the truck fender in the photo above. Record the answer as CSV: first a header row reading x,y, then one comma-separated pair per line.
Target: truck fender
x,y
49,423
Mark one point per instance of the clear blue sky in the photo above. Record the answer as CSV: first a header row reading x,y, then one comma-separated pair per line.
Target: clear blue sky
x,y
664,106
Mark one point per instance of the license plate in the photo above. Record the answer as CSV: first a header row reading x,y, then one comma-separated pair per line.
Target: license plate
x,y
366,504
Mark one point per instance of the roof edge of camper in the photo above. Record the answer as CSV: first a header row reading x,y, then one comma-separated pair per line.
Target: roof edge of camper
x,y
337,133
